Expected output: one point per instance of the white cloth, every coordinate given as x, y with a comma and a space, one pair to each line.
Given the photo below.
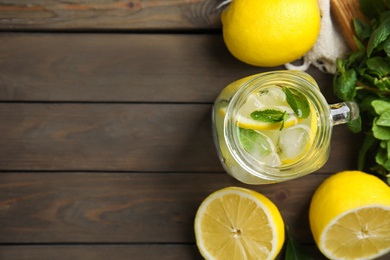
329, 46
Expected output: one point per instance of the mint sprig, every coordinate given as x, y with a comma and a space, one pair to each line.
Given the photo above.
270, 116
364, 76
298, 102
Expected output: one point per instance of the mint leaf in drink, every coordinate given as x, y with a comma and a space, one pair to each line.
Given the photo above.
255, 143
270, 116
298, 102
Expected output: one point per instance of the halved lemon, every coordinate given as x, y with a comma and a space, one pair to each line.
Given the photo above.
238, 223
350, 216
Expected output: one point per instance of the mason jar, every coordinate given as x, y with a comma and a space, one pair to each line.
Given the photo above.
275, 126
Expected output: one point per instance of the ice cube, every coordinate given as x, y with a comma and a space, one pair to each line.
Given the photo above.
294, 141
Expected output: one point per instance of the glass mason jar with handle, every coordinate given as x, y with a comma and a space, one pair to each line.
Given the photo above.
275, 126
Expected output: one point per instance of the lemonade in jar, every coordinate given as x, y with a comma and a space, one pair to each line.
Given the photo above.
275, 126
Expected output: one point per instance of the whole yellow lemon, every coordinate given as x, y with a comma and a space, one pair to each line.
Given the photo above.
270, 33
350, 216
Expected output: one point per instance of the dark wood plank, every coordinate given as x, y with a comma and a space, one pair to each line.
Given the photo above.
127, 207
113, 137
124, 137
95, 252
120, 67
108, 14
112, 252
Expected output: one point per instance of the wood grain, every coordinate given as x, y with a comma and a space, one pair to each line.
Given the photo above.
120, 67
123, 137
127, 207
95, 252
113, 252
106, 149
109, 14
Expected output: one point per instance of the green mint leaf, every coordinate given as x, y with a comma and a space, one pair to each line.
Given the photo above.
384, 15
366, 104
294, 250
268, 115
382, 158
380, 132
388, 150
254, 142
355, 126
379, 35
386, 46
285, 117
384, 119
362, 29
368, 143
344, 85
382, 84
383, 144
372, 8
340, 63
298, 102
380, 106
379, 65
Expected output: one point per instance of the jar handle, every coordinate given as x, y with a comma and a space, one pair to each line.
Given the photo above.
344, 112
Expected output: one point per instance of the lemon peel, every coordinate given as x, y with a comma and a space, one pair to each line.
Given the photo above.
350, 216
238, 223
270, 33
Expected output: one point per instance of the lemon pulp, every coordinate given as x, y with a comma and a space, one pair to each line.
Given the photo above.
350, 216
238, 223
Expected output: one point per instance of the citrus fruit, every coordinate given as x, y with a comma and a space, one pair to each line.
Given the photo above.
273, 98
270, 33
269, 129
238, 223
350, 216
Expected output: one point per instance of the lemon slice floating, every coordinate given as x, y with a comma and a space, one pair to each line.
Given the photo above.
350, 216
273, 98
238, 223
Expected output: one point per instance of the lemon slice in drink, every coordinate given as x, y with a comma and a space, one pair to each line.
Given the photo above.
350, 216
244, 120
238, 223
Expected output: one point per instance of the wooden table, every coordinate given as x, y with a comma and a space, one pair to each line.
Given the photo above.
106, 148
